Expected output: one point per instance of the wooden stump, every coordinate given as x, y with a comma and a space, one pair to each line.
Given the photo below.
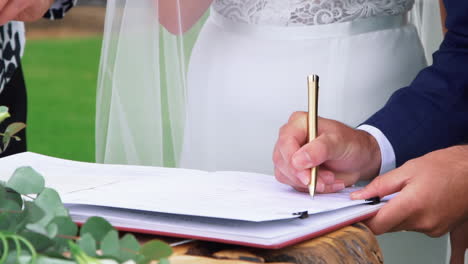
352, 244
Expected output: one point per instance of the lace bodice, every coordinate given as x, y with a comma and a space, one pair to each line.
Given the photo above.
307, 12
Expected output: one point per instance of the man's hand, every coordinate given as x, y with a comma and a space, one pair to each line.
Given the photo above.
433, 194
345, 155
23, 10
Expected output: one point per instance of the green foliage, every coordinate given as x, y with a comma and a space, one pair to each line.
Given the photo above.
154, 250
97, 227
4, 114
11, 129
35, 227
20, 179
10, 132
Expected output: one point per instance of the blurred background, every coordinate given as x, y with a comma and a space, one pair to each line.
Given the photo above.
60, 65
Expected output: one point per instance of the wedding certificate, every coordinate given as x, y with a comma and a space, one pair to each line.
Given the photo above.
236, 207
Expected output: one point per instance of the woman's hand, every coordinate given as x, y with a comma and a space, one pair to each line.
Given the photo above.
23, 10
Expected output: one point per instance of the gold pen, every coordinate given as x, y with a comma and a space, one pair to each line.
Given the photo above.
313, 85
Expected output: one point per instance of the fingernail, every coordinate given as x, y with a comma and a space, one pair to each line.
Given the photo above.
328, 178
320, 187
302, 160
304, 177
356, 195
338, 187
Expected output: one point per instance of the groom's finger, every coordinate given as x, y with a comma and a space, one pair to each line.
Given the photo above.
292, 135
383, 185
392, 214
323, 148
296, 127
284, 175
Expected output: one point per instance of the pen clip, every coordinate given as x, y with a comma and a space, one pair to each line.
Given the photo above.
373, 200
302, 215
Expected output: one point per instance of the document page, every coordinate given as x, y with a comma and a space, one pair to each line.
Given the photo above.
214, 229
67, 176
227, 195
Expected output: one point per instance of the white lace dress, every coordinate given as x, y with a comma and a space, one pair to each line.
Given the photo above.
248, 71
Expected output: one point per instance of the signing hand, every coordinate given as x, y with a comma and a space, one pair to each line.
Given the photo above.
432, 197
344, 154
23, 10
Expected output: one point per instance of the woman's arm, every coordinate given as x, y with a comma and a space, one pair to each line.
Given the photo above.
443, 15
178, 16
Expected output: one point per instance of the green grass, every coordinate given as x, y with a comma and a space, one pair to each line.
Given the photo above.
61, 76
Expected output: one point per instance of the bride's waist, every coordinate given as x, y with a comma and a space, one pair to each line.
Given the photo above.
341, 29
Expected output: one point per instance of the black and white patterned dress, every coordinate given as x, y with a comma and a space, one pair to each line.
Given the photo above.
12, 40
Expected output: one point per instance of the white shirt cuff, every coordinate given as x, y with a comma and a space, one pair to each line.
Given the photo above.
386, 150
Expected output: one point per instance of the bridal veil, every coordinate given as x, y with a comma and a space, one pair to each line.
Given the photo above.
141, 86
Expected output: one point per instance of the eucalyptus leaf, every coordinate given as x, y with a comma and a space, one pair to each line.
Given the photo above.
10, 207
34, 213
45, 224
5, 222
49, 201
31, 214
40, 242
155, 250
2, 193
110, 245
80, 256
10, 214
66, 230
87, 244
97, 227
129, 247
37, 228
25, 180
14, 196
52, 230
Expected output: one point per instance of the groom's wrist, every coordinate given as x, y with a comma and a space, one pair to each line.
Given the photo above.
382, 155
370, 156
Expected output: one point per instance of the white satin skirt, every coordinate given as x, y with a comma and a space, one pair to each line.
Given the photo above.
244, 81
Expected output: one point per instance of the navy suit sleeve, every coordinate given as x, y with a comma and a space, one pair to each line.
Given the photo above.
432, 113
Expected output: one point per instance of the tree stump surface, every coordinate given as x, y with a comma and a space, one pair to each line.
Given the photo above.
351, 244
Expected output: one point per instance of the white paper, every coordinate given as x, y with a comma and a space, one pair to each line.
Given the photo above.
226, 195
262, 234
